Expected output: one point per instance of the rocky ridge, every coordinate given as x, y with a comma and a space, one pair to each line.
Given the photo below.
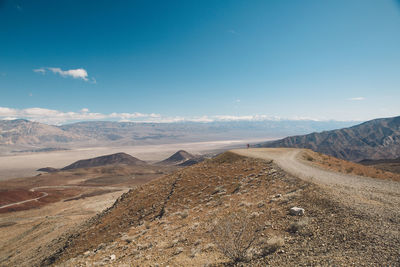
375, 139
171, 221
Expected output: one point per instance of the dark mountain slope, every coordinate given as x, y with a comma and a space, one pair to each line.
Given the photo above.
391, 165
375, 139
179, 157
118, 158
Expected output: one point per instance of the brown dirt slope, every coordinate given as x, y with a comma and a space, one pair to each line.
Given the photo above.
170, 221
343, 166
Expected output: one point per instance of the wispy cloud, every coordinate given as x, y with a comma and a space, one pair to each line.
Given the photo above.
58, 117
40, 70
360, 98
51, 116
233, 32
74, 73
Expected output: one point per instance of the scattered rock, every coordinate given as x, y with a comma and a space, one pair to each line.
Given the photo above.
296, 211
87, 253
178, 250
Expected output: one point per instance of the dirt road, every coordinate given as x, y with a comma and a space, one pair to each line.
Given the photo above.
368, 195
44, 194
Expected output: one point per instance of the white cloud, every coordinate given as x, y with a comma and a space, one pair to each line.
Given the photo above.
51, 116
7, 112
40, 70
360, 98
74, 73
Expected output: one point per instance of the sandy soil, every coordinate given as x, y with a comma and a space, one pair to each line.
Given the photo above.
26, 164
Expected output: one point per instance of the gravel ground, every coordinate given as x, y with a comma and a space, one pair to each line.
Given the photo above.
368, 195
167, 222
370, 207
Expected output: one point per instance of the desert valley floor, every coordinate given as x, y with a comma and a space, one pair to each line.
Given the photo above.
169, 216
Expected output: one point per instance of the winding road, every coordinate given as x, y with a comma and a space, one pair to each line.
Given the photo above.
44, 194
368, 195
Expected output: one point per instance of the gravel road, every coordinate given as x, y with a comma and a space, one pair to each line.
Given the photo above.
368, 195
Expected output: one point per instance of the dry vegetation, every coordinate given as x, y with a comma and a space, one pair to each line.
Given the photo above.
235, 234
335, 164
188, 218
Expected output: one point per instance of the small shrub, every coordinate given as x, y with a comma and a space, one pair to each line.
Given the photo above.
298, 226
275, 243
235, 234
349, 169
309, 158
271, 245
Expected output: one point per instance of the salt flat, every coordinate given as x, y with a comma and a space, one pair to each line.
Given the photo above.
26, 164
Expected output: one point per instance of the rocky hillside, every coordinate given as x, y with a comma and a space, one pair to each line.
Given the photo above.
191, 217
118, 158
23, 132
375, 139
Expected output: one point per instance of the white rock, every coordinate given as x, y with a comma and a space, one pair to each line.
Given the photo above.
296, 211
87, 253
113, 257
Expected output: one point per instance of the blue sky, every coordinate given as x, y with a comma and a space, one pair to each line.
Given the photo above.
199, 60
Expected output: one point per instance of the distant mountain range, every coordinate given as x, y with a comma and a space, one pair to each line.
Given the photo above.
23, 132
27, 136
373, 140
